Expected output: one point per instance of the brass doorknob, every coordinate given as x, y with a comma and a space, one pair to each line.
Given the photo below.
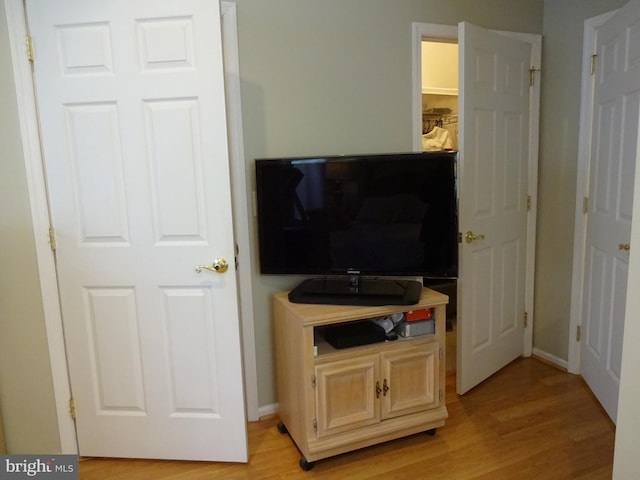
470, 236
219, 265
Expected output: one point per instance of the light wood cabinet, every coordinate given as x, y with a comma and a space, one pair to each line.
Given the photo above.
336, 400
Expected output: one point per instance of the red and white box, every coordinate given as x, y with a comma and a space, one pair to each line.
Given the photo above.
415, 315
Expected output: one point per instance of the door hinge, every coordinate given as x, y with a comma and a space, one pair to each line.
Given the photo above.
578, 333
585, 205
315, 424
72, 408
525, 320
52, 238
593, 63
29, 44
532, 76
528, 203
313, 381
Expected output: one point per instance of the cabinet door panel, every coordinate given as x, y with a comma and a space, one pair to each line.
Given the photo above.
411, 378
345, 394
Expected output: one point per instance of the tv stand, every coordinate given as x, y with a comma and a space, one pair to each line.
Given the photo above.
356, 290
333, 401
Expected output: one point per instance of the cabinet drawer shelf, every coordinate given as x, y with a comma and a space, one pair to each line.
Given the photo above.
326, 352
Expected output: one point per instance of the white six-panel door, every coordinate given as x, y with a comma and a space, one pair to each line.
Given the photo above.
494, 155
614, 144
131, 101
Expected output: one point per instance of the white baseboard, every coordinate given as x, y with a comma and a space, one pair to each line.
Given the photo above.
551, 358
266, 410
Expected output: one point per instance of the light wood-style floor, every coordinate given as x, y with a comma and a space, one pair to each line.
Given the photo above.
529, 421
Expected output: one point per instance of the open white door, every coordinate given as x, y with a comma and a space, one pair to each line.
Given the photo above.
132, 109
614, 152
494, 103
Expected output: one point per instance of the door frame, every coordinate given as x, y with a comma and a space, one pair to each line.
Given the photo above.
591, 26
40, 216
449, 33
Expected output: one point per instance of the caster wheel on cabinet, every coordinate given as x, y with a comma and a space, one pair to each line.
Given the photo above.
304, 465
431, 432
282, 428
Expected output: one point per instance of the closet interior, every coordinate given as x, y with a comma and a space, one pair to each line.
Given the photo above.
439, 95
439, 132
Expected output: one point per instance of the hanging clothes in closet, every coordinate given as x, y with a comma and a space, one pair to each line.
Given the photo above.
437, 139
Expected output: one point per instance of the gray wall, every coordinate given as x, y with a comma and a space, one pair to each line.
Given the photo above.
563, 27
333, 77
26, 387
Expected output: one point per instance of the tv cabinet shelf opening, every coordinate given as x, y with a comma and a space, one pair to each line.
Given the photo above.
332, 401
324, 351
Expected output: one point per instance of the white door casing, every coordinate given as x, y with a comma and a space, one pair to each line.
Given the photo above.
582, 188
603, 245
131, 97
494, 153
237, 166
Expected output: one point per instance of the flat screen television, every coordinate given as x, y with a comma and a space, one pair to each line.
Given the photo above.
358, 224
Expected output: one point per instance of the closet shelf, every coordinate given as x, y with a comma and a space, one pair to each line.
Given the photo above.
439, 91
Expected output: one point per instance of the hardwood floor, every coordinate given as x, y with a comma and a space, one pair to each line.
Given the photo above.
529, 421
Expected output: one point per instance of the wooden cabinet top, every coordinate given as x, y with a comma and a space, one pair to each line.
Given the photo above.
314, 314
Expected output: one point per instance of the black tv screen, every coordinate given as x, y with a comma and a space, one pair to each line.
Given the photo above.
370, 215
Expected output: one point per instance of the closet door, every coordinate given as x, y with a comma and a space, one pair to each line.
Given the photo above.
494, 156
131, 100
614, 152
